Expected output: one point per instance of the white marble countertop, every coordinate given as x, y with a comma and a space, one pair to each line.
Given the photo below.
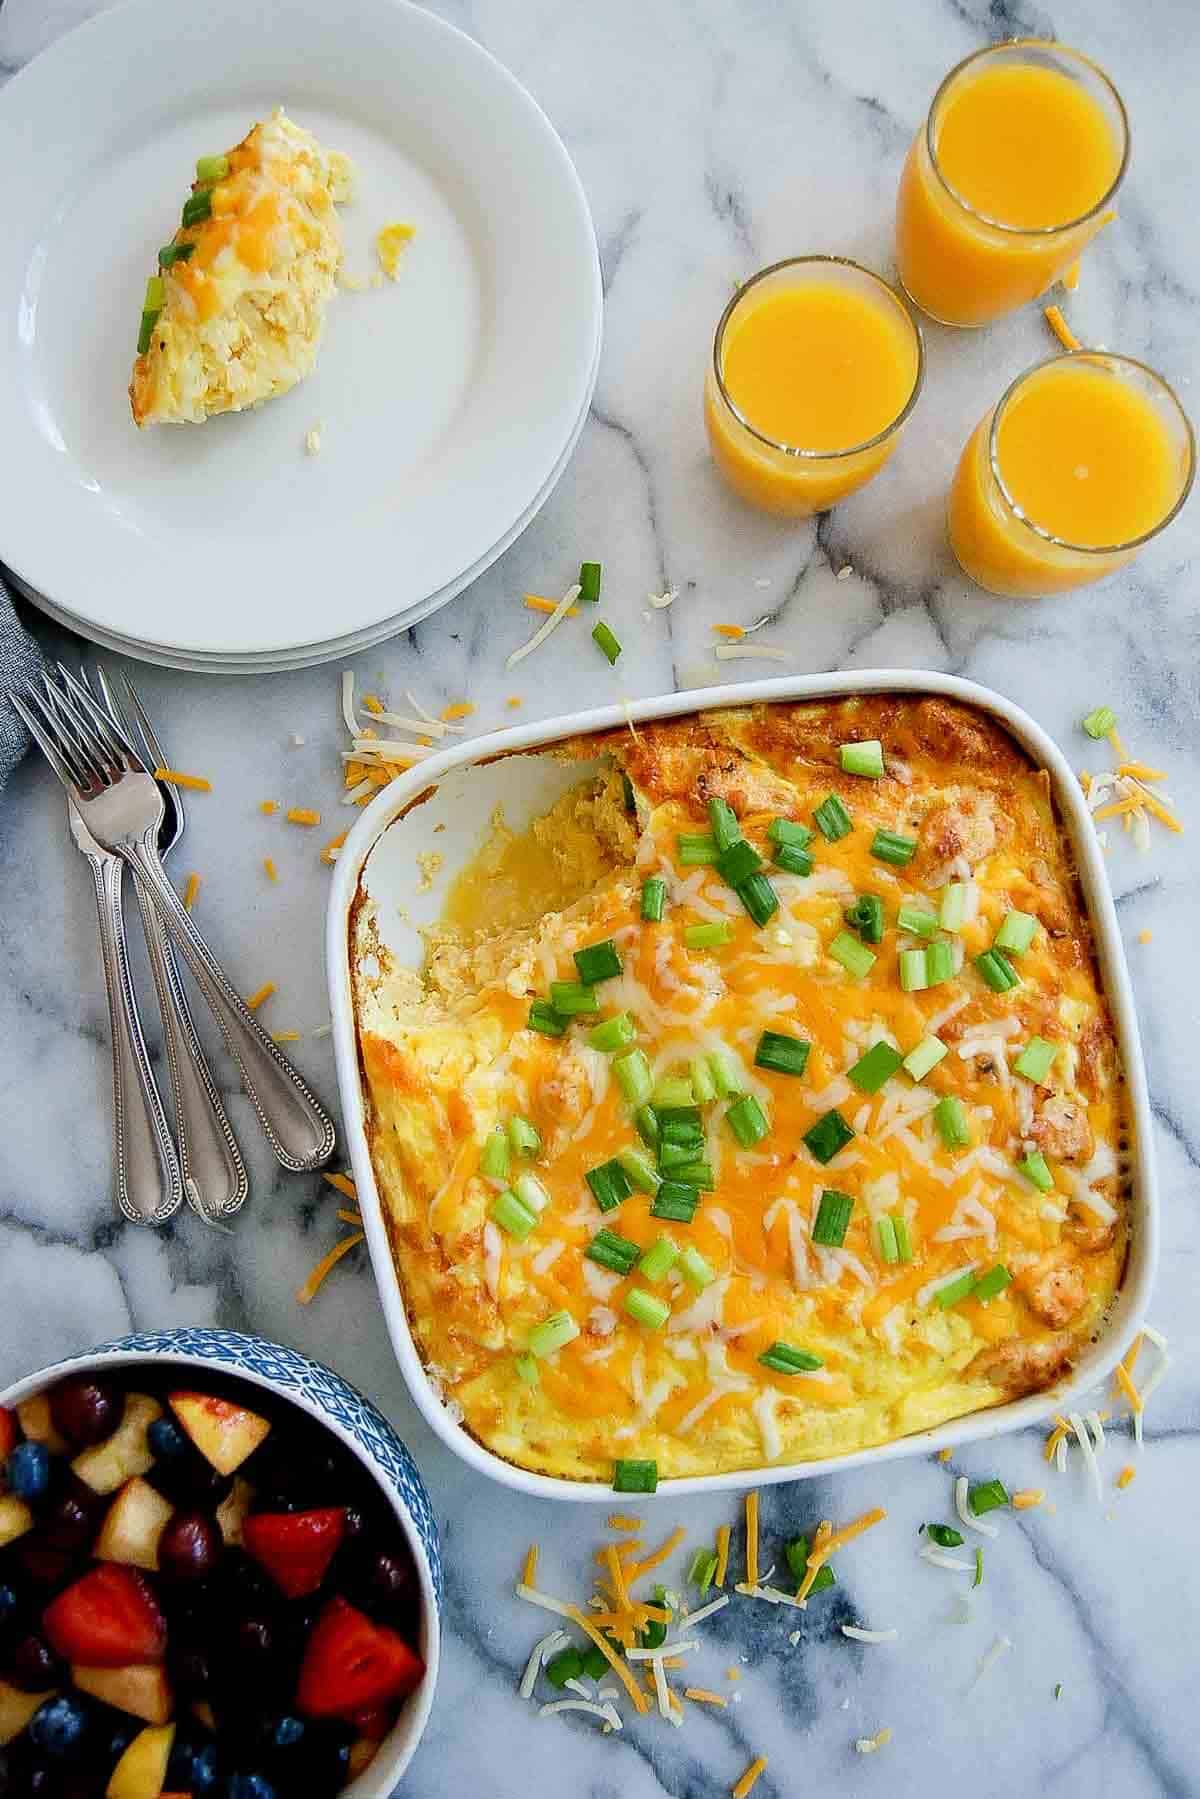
711, 138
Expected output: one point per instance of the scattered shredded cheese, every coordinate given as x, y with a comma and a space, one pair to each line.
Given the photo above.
1145, 936
723, 1536
861, 1635
514, 700
752, 1538
702, 1696
827, 1541
460, 709
622, 1521
190, 891
999, 1647
330, 852
1053, 316
312, 441
1028, 1498
262, 993
552, 623
342, 1183
269, 869
868, 1745
963, 1508
1089, 1454
308, 1292
268, 808
390, 244
285, 1036
197, 783
529, 1571
1127, 1474
539, 1655
302, 815
742, 652
660, 601
659, 1557
749, 1779
535, 602
733, 632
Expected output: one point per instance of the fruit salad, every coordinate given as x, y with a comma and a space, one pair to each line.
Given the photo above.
202, 1594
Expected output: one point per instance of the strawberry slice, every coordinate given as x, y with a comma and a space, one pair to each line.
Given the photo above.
351, 1664
8, 1432
295, 1548
107, 1619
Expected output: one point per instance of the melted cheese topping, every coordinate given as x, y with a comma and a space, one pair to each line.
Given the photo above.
450, 1056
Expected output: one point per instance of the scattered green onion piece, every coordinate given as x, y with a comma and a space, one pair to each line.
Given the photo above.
522, 1137
885, 1229
613, 1034
862, 758
917, 919
878, 1065
543, 1018
725, 1077
627, 794
606, 640
527, 1370
1036, 1060
793, 860
146, 331
635, 1477
212, 168
988, 1496
675, 1156
654, 1634
952, 1123
675, 1202
692, 1174
704, 1566
833, 1218
993, 1282
997, 971
613, 1251
513, 1216
493, 1157
645, 1309
571, 997
953, 1291
680, 1121
552, 1333
170, 254
197, 207
654, 899
759, 898
530, 1191
1017, 931
707, 936
697, 849
639, 1169
723, 823
747, 1120
854, 956
632, 1075
925, 1057
785, 1358
829, 1134
939, 962
1058, 1688
566, 1665
1100, 722
589, 581
673, 1093
610, 1185
890, 846
738, 862
695, 1270
978, 1580
785, 830
156, 294
904, 1251
703, 1087
952, 911
782, 1054
598, 962
914, 970
944, 1535
1036, 1170
797, 1560
659, 1260
866, 917
832, 819
647, 1126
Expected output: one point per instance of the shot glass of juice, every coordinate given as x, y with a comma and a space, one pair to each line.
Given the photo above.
1013, 173
1086, 458
816, 364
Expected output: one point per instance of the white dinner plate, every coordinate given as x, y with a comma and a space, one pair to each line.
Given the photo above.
446, 401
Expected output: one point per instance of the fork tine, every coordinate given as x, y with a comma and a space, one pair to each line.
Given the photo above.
43, 740
153, 746
103, 724
49, 712
86, 747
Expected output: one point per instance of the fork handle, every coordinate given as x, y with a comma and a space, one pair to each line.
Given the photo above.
214, 1175
298, 1130
148, 1177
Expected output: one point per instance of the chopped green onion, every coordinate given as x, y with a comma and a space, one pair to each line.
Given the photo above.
606, 640
632, 1075
212, 168
552, 1333
1036, 1060
832, 819
635, 1477
785, 830
493, 1157
659, 1260
523, 1137
829, 1134
797, 1560
747, 1120
170, 254
890, 846
917, 919
679, 1120
1016, 933
1036, 1170
785, 1358
832, 1219
1058, 1687
704, 1088
674, 1156
873, 1069
513, 1216
530, 1191
673, 1093
759, 898
1100, 722
725, 1078
694, 1269
703, 1567
914, 970
527, 1370
862, 758
570, 997
627, 795
654, 1634
782, 1054
647, 1126
638, 1169
589, 581
944, 1535
697, 849
614, 1033
866, 917
854, 956
692, 1174
738, 862
793, 860
610, 1185
598, 962
993, 1282
953, 910
953, 1291
997, 970
988, 1496
885, 1228
645, 1309
925, 1057
197, 207
951, 1121
707, 936
675, 1202
146, 331
156, 294
939, 962
566, 1665
978, 1580
543, 1018
723, 822
903, 1239
654, 899
613, 1251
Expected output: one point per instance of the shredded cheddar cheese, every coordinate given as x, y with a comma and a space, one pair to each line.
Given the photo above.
702, 1696
1127, 1474
302, 815
660, 1555
1028, 1498
191, 891
749, 1779
308, 1292
752, 1538
616, 1663
621, 1521
285, 1036
944, 1455
827, 1541
259, 995
733, 632
197, 783
268, 808
1125, 1382
534, 602
1140, 772
373, 703
514, 700
269, 869
460, 709
529, 1571
342, 1183
1145, 936
329, 853
354, 1219
723, 1536
1070, 277
1062, 331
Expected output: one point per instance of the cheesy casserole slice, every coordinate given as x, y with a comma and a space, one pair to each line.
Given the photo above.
751, 1109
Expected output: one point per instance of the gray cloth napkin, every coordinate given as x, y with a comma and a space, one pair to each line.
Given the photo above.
20, 661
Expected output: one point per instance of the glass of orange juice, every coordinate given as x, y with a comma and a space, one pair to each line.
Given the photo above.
816, 364
1013, 173
1085, 458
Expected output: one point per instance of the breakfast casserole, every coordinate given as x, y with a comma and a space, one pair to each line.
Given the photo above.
759, 1103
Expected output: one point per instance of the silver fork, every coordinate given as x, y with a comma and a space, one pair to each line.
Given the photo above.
122, 806
214, 1175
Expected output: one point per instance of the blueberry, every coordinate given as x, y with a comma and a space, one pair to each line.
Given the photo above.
121, 1732
27, 1471
250, 1786
193, 1767
58, 1727
10, 1607
166, 1439
287, 1732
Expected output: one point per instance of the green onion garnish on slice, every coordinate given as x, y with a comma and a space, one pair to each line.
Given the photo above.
1036, 1060
598, 962
704, 1087
832, 819
589, 581
939, 962
647, 1126
954, 1290
530, 1191
613, 1251
632, 1075
829, 1134
543, 1018
885, 1230
917, 919
522, 1137
914, 970
759, 898
675, 1202
785, 1358
833, 1218
493, 1157
156, 294
1100, 722
704, 1566
925, 1057
988, 1496
654, 899
747, 1120
723, 822
613, 1033
212, 168
951, 1121
146, 331
639, 1169
1036, 1170
793, 860
170, 254
635, 1477
527, 1370
606, 640
862, 758
725, 1076
645, 1309
658, 1260
610, 1185
707, 936
694, 1269
866, 917
873, 1069
552, 1333
1016, 933
890, 846
197, 207
952, 911
697, 849
738, 862
997, 971
903, 1239
797, 1560
566, 1665
944, 1535
854, 956
785, 830
627, 794
993, 1282
571, 997
978, 1580
513, 1216
781, 1054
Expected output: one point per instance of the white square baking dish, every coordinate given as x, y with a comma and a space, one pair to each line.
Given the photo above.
462, 786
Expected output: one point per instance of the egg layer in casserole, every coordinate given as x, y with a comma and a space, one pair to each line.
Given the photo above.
749, 1110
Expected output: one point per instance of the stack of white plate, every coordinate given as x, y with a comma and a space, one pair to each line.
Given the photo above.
446, 403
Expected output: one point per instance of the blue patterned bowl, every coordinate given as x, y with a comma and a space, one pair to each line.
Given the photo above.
364, 1430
